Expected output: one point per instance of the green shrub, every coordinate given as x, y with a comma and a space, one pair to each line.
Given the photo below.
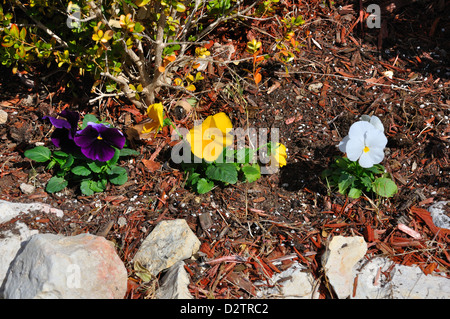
129, 47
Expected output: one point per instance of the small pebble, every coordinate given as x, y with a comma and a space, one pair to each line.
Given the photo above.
27, 188
122, 221
3, 117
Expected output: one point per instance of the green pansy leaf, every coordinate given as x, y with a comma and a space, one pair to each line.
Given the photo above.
88, 118
376, 169
38, 154
342, 162
204, 185
251, 172
327, 173
245, 155
60, 159
117, 175
354, 193
50, 165
56, 184
367, 182
193, 178
69, 161
128, 152
98, 186
345, 181
384, 187
115, 158
60, 154
223, 172
81, 170
96, 166
85, 188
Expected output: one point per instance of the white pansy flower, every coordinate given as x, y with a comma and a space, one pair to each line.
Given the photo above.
375, 121
364, 143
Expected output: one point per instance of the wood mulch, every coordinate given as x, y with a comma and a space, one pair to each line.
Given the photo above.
248, 232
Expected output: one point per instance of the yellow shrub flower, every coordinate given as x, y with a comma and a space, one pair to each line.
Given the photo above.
279, 155
202, 52
208, 139
155, 113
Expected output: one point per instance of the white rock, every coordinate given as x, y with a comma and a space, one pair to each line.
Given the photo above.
315, 87
339, 262
202, 64
293, 283
379, 278
372, 282
57, 267
27, 188
10, 242
169, 242
122, 221
412, 283
439, 214
3, 117
174, 284
9, 210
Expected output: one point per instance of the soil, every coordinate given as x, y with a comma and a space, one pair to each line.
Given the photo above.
291, 212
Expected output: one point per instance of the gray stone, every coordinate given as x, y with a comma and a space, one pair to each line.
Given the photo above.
339, 262
10, 243
9, 210
380, 278
52, 266
11, 240
169, 242
440, 213
293, 283
27, 188
174, 284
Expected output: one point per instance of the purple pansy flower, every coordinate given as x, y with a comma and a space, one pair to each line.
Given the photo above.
65, 130
97, 141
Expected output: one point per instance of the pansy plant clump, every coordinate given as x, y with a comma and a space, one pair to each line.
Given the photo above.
213, 160
360, 171
206, 153
87, 154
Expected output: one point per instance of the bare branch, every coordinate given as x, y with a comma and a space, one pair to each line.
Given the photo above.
103, 95
98, 13
123, 83
165, 44
178, 88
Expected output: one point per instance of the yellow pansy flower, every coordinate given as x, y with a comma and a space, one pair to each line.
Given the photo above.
208, 139
279, 155
155, 113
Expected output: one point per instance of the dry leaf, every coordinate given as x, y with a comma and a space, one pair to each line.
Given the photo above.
258, 78
275, 86
151, 165
185, 105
